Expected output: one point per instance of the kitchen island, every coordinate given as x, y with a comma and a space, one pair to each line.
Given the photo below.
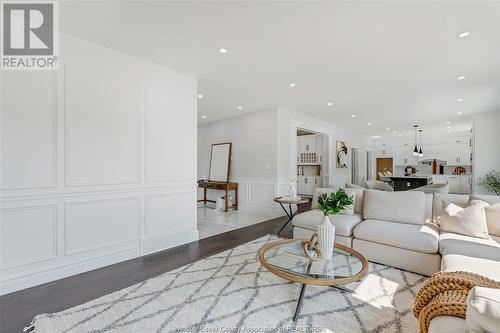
404, 183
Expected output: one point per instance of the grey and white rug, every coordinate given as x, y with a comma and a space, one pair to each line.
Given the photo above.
231, 291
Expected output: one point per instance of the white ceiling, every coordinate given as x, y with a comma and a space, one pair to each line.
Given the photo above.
390, 63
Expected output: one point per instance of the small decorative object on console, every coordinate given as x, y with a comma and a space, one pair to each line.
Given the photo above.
330, 205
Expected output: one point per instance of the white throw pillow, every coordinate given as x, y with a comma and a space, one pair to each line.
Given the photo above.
349, 210
492, 216
469, 221
483, 310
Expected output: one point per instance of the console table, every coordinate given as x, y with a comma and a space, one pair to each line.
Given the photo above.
224, 186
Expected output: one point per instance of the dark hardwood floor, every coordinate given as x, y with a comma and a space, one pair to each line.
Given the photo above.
18, 309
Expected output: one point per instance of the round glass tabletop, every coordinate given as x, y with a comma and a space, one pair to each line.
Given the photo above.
287, 259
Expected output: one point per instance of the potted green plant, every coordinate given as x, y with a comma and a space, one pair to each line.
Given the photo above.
492, 182
330, 204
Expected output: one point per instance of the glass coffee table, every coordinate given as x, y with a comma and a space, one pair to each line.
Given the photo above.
281, 258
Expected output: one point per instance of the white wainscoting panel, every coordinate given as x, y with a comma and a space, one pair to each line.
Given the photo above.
102, 128
95, 224
75, 180
164, 152
28, 235
168, 213
28, 136
262, 194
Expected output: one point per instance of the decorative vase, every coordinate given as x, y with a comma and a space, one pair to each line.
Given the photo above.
326, 233
292, 189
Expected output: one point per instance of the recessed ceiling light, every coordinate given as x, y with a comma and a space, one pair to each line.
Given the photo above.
204, 117
400, 134
329, 103
448, 126
292, 84
387, 128
369, 124
394, 132
447, 123
200, 96
459, 112
353, 116
223, 51
376, 137
464, 34
239, 107
460, 100
461, 77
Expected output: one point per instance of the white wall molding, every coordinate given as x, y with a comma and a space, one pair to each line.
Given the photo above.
76, 197
98, 232
8, 250
113, 82
52, 183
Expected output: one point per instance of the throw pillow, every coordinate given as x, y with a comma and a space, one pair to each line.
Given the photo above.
349, 210
469, 221
483, 310
492, 216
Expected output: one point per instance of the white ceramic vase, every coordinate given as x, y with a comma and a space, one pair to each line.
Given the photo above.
326, 233
292, 189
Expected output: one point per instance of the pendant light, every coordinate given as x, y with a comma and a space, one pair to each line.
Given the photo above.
420, 152
415, 150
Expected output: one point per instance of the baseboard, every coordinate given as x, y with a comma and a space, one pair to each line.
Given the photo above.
168, 240
53, 272
42, 277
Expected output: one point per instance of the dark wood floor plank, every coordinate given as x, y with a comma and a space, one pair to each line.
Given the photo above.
18, 309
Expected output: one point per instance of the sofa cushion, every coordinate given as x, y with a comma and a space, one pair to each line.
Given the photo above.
470, 221
403, 207
358, 197
451, 243
491, 199
441, 324
460, 262
483, 310
421, 238
344, 224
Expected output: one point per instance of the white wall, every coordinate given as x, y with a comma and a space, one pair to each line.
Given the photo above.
98, 164
254, 149
486, 150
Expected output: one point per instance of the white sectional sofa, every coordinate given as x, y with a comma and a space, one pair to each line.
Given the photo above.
401, 229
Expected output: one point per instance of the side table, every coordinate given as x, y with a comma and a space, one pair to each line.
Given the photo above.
287, 201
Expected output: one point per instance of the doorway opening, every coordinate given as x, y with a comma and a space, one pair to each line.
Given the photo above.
311, 161
384, 164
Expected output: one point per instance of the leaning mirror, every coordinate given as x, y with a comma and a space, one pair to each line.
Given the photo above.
220, 161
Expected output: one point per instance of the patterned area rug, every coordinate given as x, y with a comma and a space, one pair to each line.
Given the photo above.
231, 291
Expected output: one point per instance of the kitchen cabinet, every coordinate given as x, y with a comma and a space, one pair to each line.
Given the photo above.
307, 144
459, 154
459, 184
454, 184
403, 156
384, 151
310, 149
440, 179
465, 184
307, 184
